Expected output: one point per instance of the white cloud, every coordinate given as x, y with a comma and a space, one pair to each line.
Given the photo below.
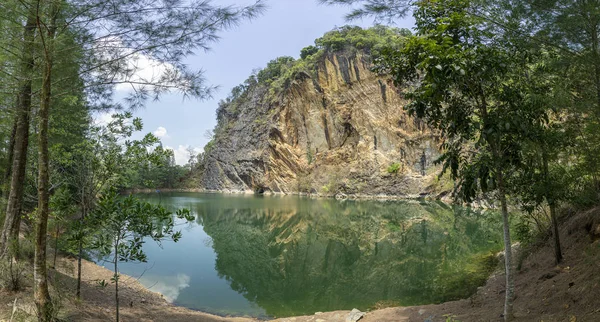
145, 70
168, 286
103, 118
182, 156
134, 69
161, 132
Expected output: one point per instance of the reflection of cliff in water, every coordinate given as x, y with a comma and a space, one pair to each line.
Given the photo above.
330, 255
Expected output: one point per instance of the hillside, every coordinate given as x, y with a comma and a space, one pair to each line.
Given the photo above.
326, 123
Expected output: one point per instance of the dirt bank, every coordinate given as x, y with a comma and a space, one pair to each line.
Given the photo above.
545, 292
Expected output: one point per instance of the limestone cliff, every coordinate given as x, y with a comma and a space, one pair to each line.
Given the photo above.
337, 129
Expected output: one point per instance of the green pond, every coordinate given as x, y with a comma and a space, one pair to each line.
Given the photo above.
272, 256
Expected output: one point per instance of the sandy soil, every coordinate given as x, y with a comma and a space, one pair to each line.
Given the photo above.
545, 292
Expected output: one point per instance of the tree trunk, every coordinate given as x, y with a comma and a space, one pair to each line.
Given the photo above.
508, 267
80, 243
18, 161
55, 245
557, 249
117, 281
11, 147
552, 204
596, 62
79, 255
40, 274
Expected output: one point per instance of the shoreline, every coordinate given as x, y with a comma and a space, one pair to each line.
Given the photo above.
338, 196
444, 197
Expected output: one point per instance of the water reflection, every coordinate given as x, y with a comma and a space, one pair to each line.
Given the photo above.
168, 286
292, 256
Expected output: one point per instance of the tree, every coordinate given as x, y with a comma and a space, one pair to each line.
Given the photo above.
382, 10
308, 51
20, 137
574, 29
126, 223
113, 36
40, 275
98, 163
474, 90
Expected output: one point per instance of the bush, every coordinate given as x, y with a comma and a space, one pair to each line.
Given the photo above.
12, 275
308, 51
304, 183
275, 68
365, 39
523, 231
394, 168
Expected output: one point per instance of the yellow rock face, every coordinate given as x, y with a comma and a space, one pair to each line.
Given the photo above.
336, 132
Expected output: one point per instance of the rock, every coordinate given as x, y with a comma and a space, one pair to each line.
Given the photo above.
421, 311
341, 196
300, 139
355, 315
143, 300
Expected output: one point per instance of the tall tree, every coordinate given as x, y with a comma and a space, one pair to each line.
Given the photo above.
574, 26
127, 222
20, 137
114, 38
47, 31
472, 87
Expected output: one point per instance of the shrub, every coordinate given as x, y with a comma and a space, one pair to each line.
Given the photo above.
12, 275
394, 168
308, 51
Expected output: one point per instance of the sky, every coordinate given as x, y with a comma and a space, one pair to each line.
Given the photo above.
284, 29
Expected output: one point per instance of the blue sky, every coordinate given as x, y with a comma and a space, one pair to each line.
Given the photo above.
284, 29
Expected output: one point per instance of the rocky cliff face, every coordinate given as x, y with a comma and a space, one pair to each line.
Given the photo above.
335, 130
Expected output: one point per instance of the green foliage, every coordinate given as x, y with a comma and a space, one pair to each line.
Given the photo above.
308, 51
394, 168
102, 284
442, 183
383, 10
12, 273
453, 64
209, 146
127, 221
126, 224
371, 39
275, 68
451, 318
523, 231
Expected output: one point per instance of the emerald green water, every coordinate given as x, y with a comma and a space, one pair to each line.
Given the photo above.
284, 256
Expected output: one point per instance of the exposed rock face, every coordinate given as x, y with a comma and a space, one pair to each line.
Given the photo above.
337, 131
